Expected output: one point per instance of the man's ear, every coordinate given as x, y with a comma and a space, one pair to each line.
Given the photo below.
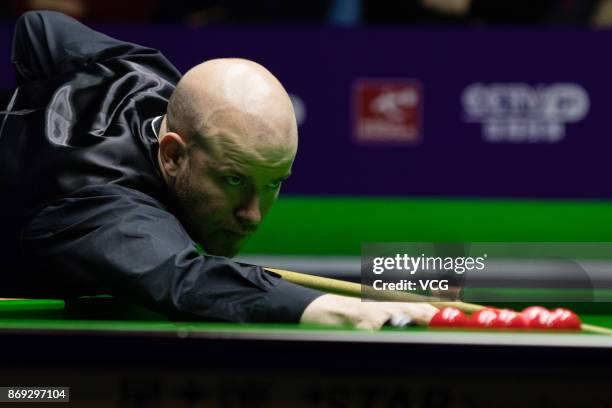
172, 154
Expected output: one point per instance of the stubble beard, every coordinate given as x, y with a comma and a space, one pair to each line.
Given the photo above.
190, 218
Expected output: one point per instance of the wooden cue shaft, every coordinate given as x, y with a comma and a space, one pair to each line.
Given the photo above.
355, 289
340, 287
590, 328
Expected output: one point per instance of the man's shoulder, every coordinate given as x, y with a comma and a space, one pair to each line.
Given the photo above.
63, 45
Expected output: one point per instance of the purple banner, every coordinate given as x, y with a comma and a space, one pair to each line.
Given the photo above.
425, 112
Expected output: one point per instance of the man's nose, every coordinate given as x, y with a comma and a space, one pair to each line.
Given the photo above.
250, 212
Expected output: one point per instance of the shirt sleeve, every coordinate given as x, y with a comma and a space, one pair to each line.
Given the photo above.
111, 239
48, 44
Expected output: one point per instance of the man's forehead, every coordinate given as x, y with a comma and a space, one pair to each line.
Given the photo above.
245, 128
227, 148
248, 163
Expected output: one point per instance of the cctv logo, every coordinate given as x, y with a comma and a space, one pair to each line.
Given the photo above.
522, 113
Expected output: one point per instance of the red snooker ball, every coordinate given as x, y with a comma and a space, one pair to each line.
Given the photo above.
536, 317
532, 311
564, 319
511, 319
487, 318
448, 317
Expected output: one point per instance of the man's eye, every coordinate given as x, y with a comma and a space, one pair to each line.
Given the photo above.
274, 184
234, 181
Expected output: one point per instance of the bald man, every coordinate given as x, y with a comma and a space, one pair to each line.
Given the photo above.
116, 166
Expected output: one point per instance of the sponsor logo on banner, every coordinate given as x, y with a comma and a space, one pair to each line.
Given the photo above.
388, 111
524, 113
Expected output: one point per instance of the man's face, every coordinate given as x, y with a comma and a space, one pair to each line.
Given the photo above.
225, 194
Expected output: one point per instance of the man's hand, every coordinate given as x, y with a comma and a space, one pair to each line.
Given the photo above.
370, 315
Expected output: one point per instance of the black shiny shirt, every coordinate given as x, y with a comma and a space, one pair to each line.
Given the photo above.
85, 209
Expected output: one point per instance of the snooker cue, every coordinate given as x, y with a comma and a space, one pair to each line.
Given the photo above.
340, 287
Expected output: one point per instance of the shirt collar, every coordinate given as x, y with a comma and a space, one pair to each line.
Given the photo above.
156, 125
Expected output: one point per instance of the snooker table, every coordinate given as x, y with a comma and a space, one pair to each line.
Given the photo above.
115, 354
